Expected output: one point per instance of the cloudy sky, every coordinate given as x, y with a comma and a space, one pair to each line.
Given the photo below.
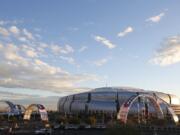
54, 48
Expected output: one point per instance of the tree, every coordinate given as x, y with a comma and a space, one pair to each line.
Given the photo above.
74, 120
91, 120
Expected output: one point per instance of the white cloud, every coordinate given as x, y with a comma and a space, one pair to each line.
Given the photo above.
28, 34
22, 63
12, 96
125, 31
169, 53
12, 22
22, 39
1, 46
43, 45
22, 35
38, 36
29, 51
101, 62
83, 48
156, 19
27, 71
4, 31
10, 52
14, 30
57, 49
105, 42
70, 60
68, 49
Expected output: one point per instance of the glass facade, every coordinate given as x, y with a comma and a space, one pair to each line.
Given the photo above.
67, 104
175, 100
104, 96
78, 106
81, 97
164, 97
105, 106
109, 100
123, 96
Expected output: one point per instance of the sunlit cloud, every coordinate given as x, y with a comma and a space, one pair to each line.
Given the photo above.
29, 51
23, 35
28, 62
101, 62
28, 34
57, 49
4, 32
156, 18
14, 30
125, 31
169, 53
12, 96
105, 42
23, 39
21, 67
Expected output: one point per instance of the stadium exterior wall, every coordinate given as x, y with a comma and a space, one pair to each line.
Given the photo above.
109, 100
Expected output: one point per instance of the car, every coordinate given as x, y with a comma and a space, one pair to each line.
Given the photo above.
43, 131
100, 126
88, 126
71, 126
57, 126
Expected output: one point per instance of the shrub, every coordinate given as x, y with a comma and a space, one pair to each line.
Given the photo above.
121, 129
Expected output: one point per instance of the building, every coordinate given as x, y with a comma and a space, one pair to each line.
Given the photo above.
123, 104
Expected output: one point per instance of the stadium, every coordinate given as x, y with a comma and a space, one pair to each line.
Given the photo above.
123, 104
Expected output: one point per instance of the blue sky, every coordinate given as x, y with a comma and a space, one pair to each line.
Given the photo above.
67, 46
